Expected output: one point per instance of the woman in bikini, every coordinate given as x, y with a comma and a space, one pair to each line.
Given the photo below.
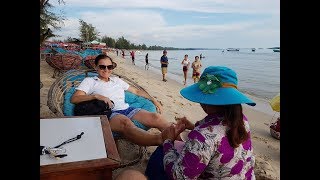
185, 63
196, 66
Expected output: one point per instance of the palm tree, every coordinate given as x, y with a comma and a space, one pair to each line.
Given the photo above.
48, 19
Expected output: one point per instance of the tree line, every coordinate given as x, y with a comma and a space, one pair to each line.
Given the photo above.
89, 33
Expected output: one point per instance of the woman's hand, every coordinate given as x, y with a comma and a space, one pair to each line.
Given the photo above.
172, 132
105, 99
188, 125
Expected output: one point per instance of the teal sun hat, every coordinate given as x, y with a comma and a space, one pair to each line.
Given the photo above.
217, 86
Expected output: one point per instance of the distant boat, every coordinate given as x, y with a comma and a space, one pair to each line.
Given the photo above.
253, 49
276, 50
233, 49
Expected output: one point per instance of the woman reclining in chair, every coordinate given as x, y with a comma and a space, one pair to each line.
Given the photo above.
106, 88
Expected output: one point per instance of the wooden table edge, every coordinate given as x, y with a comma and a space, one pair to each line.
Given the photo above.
112, 160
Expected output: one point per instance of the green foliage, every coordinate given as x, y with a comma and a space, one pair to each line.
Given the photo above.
48, 20
87, 31
109, 41
122, 43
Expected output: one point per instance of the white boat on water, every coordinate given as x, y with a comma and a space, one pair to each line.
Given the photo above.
233, 49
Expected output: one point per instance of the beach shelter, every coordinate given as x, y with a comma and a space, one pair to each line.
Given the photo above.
95, 42
275, 103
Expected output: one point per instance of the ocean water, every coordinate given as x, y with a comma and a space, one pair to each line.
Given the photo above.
258, 72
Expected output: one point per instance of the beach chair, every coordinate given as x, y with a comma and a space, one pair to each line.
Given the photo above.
89, 55
89, 61
62, 89
63, 61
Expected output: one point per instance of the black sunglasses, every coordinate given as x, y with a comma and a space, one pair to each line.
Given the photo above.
103, 67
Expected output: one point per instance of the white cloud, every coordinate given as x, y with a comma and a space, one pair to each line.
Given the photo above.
147, 25
207, 6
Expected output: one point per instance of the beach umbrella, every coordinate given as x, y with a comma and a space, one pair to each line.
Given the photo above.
275, 103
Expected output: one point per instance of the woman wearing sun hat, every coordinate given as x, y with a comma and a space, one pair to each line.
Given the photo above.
219, 145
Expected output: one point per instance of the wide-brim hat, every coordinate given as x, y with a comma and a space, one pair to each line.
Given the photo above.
217, 86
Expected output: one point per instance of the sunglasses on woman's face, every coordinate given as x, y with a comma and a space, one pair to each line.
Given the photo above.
103, 67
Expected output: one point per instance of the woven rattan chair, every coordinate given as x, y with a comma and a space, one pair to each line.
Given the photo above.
62, 62
64, 86
89, 61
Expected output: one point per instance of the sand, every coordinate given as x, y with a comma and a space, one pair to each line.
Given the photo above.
266, 148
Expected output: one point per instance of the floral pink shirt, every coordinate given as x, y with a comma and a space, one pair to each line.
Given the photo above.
208, 155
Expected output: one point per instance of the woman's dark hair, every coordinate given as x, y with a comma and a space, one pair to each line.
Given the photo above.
233, 118
103, 56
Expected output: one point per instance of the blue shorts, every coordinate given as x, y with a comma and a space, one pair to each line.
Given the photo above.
129, 112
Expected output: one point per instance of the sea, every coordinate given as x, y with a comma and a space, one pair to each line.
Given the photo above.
258, 71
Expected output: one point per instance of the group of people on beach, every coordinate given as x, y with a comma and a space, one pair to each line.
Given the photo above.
196, 67
218, 146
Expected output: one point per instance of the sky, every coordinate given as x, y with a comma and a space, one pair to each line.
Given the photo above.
177, 23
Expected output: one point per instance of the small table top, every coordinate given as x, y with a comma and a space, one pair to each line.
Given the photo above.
96, 148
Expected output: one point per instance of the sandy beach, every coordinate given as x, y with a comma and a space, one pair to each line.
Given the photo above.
266, 148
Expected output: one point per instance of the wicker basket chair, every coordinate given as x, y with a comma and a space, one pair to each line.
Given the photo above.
64, 87
89, 61
62, 62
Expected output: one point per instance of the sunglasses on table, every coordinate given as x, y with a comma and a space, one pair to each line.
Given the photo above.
103, 67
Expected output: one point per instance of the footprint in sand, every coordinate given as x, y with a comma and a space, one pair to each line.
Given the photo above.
273, 148
170, 96
260, 138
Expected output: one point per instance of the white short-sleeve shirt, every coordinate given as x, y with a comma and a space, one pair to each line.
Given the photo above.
113, 89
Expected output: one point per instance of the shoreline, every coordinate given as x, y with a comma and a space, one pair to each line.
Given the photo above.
175, 72
262, 104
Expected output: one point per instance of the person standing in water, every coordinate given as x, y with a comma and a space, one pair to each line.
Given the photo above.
185, 63
132, 57
146, 67
196, 66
